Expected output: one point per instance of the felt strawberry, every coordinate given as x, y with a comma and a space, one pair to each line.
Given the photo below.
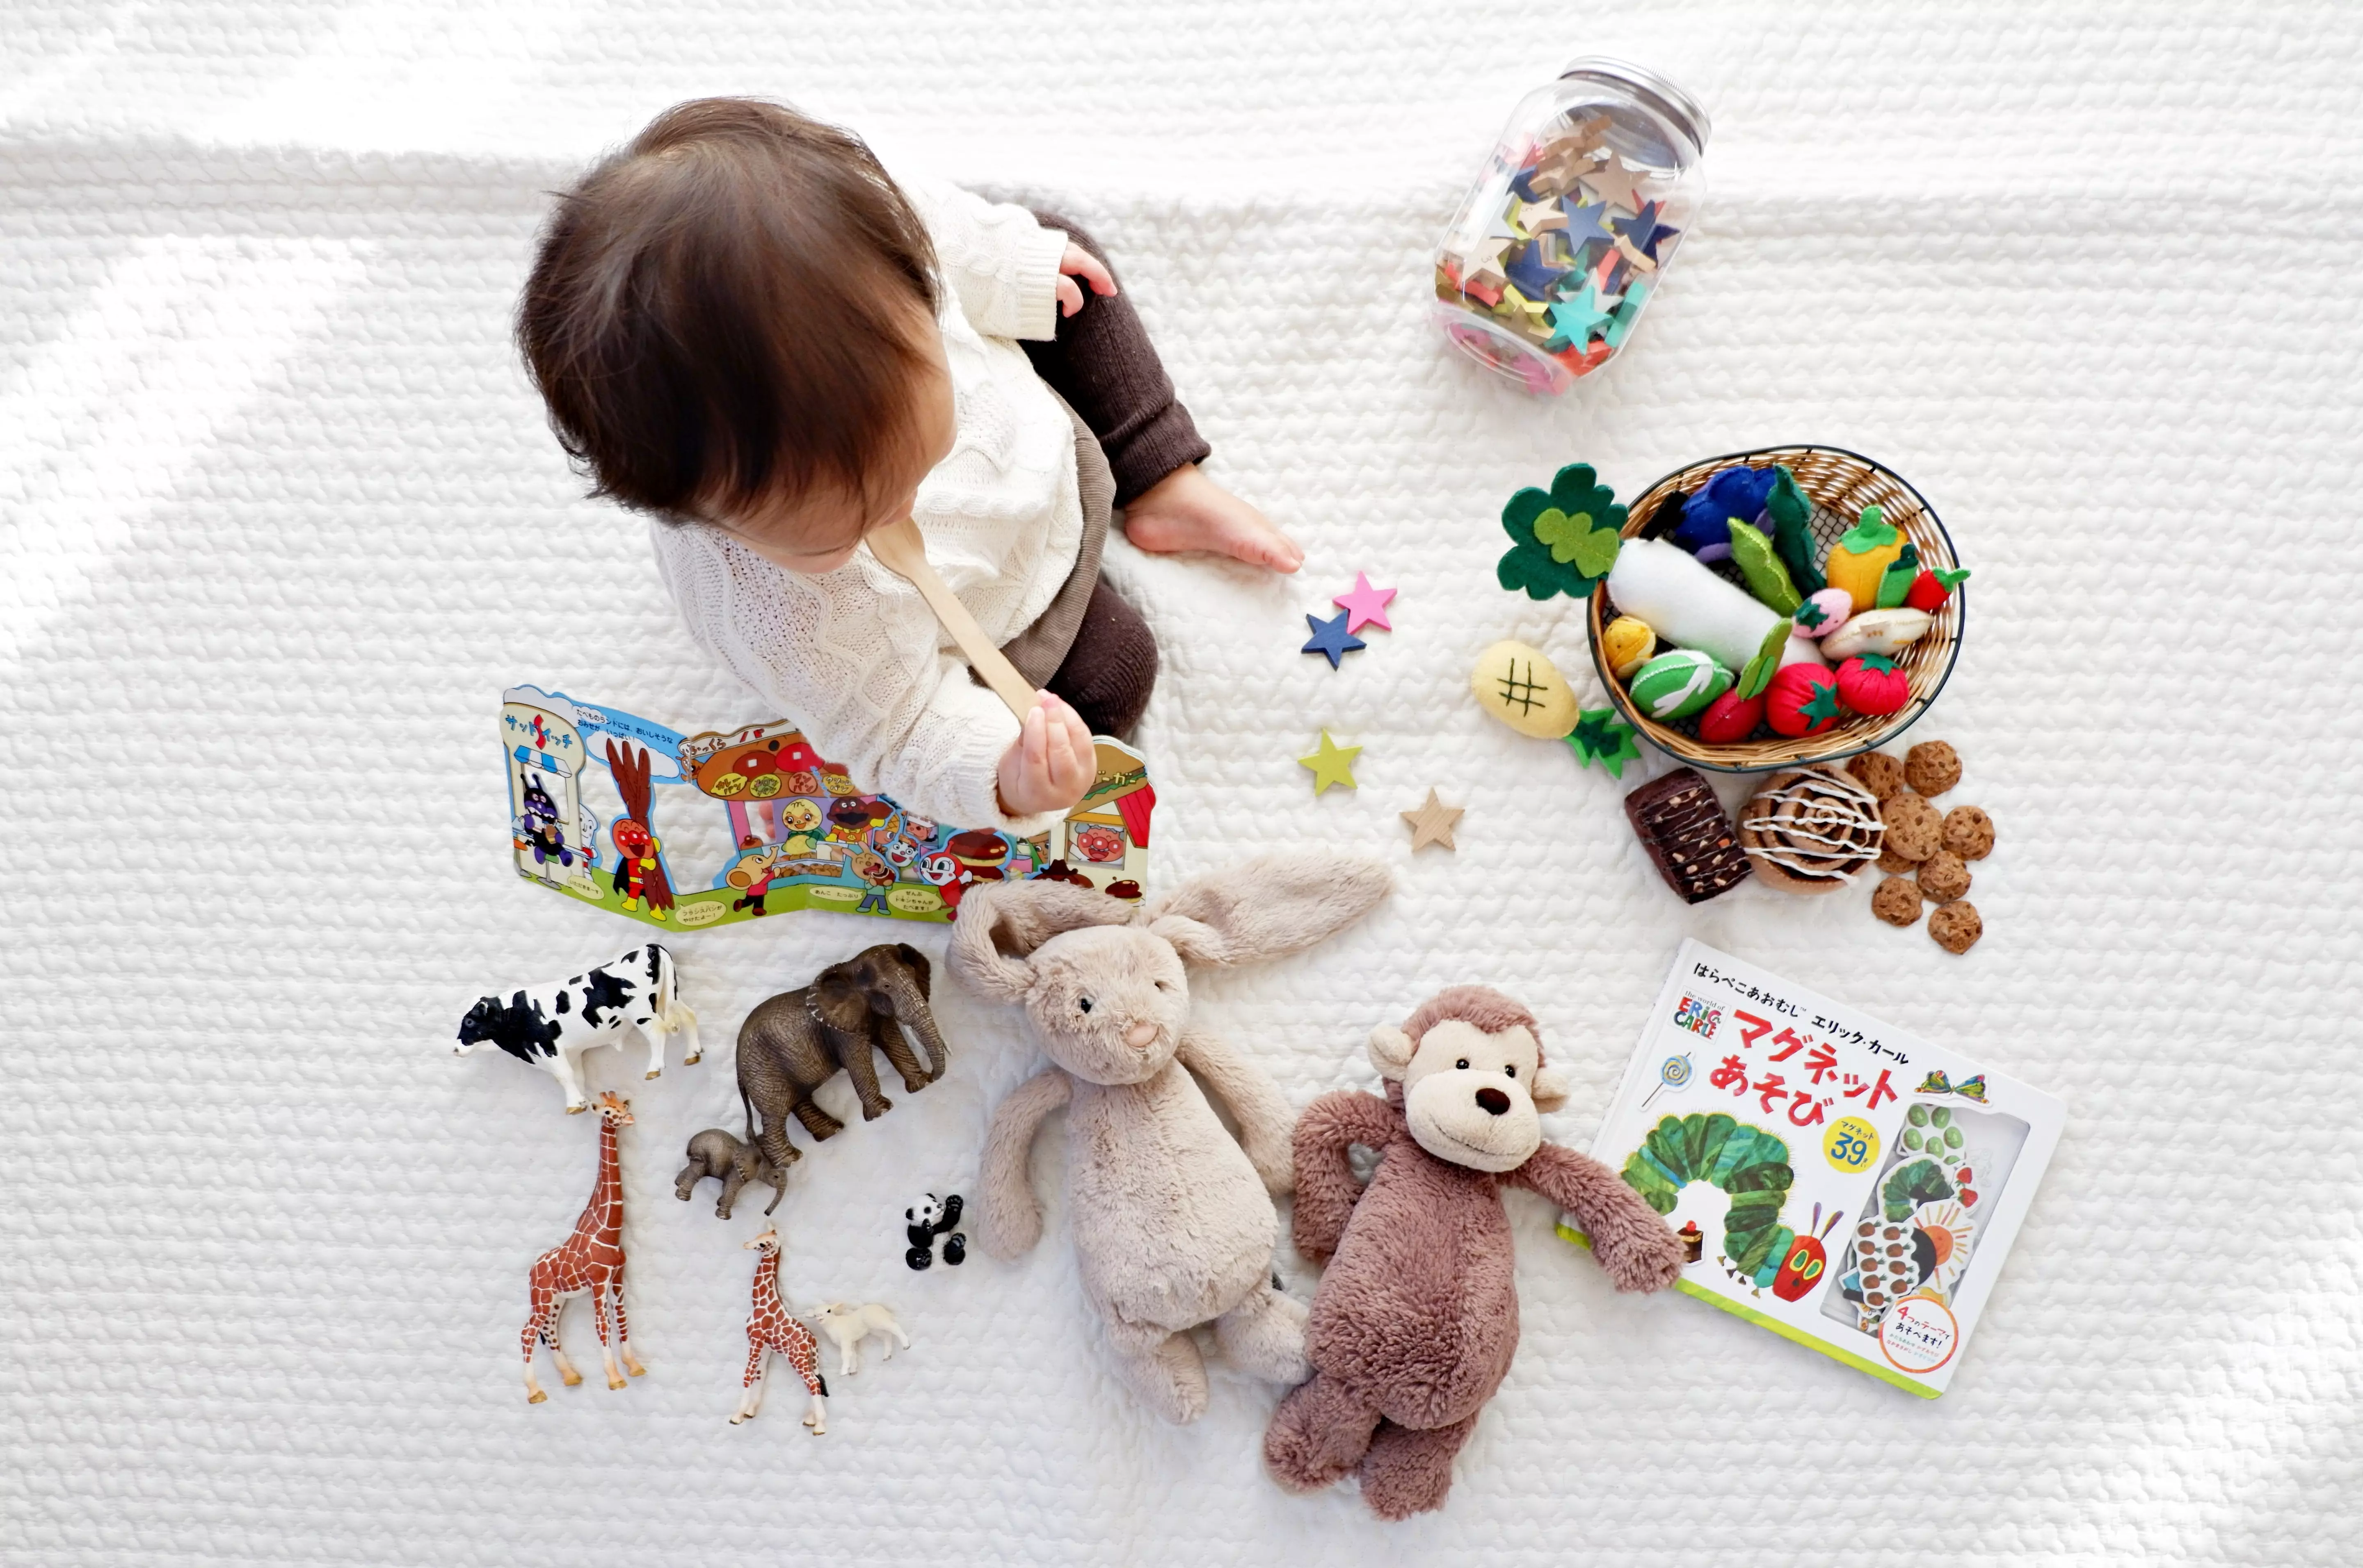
1870, 683
1801, 700
1730, 717
1932, 588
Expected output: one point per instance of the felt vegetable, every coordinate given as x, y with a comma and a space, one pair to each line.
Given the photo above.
1519, 686
1564, 538
1801, 700
1735, 493
1626, 644
1933, 586
1601, 736
1687, 605
1823, 612
1770, 656
1861, 557
1730, 717
1896, 581
1677, 684
1877, 631
1791, 514
1870, 683
1768, 578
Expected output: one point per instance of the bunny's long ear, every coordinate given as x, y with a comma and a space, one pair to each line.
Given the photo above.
1001, 924
1266, 907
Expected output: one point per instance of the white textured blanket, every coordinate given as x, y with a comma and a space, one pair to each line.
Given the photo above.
279, 520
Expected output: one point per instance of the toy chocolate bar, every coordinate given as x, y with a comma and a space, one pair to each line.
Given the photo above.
1680, 823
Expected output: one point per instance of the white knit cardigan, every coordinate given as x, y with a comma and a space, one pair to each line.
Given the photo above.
853, 657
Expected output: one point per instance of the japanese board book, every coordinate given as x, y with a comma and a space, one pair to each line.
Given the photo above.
1845, 1185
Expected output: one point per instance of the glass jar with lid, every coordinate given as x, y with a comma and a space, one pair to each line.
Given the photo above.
1572, 223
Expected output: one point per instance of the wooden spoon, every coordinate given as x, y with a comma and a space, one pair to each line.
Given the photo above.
901, 550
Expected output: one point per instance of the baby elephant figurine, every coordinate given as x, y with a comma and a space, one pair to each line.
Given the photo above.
715, 1153
1173, 1218
794, 1042
848, 1324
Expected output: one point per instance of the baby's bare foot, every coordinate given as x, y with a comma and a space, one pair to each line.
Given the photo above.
1186, 510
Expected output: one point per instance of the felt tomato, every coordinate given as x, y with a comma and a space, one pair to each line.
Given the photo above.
1730, 717
1870, 683
1932, 588
1801, 700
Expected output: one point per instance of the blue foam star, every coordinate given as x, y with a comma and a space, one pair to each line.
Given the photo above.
1586, 222
1330, 639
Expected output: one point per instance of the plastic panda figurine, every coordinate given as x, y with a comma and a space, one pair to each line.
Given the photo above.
924, 1222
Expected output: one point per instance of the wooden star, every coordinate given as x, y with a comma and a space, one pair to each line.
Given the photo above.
1613, 180
1431, 823
1332, 764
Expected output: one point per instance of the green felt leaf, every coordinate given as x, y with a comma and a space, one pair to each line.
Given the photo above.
1810, 615
1563, 540
1791, 513
1949, 578
1873, 532
1601, 736
1768, 578
1876, 661
1760, 669
1895, 583
1822, 705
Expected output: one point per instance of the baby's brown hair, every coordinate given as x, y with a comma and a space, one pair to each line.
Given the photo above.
722, 313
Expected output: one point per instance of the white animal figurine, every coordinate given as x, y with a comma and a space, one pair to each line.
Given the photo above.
848, 1324
550, 1025
1173, 1218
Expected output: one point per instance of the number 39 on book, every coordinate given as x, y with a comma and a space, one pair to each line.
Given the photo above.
1851, 1144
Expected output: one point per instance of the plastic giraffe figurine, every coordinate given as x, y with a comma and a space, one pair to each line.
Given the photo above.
771, 1326
592, 1260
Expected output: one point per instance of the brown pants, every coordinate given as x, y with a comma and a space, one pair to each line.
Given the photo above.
1102, 363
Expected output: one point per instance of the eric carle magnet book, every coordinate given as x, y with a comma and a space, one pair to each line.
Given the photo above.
1833, 1179
684, 831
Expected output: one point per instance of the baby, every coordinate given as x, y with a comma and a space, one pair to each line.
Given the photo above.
744, 328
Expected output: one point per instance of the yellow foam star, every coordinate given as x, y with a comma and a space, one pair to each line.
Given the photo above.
1431, 823
1333, 764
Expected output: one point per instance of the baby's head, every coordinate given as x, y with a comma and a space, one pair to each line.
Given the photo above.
734, 319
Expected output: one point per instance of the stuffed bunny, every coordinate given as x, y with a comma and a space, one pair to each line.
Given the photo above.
1174, 1221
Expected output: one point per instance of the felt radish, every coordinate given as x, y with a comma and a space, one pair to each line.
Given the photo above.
1730, 717
1824, 612
1870, 683
1687, 605
1877, 631
1801, 700
1932, 588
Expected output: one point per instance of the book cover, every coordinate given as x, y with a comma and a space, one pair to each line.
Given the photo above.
1834, 1179
616, 810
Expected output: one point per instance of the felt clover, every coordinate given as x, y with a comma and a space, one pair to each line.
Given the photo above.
1601, 736
1564, 538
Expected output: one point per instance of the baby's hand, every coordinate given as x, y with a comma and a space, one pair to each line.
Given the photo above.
1052, 763
1079, 262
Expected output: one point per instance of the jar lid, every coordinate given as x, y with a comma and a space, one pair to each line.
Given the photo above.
1679, 108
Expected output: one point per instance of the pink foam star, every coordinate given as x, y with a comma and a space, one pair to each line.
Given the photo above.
1365, 605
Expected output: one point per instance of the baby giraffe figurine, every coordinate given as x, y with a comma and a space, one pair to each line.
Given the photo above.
771, 1326
1416, 1317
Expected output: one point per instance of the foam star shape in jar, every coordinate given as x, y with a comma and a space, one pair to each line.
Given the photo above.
1573, 317
1576, 510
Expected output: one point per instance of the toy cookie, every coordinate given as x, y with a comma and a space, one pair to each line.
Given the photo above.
1943, 877
1680, 823
1968, 832
1897, 902
1811, 831
1956, 927
1877, 772
1913, 828
1932, 767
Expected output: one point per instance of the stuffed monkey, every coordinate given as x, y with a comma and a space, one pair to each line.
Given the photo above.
1416, 1317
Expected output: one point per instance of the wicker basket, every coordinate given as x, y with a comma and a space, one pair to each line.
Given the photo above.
1840, 484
